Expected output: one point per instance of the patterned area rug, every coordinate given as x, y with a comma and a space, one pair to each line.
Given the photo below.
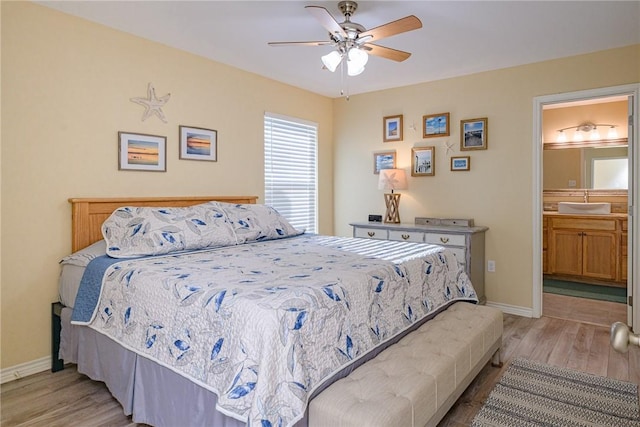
534, 394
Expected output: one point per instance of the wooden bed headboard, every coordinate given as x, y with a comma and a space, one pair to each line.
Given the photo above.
87, 215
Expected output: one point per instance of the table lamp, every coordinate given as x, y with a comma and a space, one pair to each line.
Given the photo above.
392, 179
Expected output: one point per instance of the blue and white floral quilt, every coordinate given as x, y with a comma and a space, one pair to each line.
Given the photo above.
262, 324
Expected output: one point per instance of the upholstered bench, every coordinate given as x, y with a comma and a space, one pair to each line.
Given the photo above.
415, 382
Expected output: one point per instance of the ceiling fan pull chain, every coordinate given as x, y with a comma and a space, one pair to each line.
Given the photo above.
342, 78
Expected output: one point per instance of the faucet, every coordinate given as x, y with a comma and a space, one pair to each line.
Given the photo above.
586, 196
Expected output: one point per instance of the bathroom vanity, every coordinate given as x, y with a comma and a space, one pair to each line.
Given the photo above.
586, 248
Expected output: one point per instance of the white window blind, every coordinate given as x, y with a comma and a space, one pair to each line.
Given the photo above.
290, 169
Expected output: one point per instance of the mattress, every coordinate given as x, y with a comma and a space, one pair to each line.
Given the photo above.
72, 268
350, 340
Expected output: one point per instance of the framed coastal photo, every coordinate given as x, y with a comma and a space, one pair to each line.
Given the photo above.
386, 160
473, 134
423, 161
141, 152
462, 163
435, 125
392, 128
198, 144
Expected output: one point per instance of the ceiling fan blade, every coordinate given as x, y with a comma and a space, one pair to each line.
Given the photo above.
408, 23
327, 21
319, 43
386, 52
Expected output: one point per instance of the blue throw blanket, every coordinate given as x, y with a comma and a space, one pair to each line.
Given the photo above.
90, 288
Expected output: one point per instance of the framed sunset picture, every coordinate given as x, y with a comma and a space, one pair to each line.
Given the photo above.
198, 144
137, 151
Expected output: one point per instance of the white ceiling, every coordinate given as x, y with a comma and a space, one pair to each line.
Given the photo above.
457, 38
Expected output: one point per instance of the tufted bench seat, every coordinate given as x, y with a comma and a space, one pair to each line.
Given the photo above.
416, 381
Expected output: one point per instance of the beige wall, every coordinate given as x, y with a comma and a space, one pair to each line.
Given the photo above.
66, 85
613, 113
497, 192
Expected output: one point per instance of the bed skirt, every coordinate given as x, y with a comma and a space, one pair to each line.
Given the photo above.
153, 394
146, 390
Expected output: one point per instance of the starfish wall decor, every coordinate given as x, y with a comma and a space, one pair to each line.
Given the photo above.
449, 147
152, 104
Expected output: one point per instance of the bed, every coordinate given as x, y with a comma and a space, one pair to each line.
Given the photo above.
188, 364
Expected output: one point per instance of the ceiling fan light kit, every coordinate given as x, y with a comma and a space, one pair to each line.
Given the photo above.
331, 60
352, 42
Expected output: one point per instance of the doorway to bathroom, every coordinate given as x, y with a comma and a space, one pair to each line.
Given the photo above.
585, 254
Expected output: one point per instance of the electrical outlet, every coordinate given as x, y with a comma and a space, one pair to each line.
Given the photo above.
491, 265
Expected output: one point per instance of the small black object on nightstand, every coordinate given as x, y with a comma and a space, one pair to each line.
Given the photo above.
375, 218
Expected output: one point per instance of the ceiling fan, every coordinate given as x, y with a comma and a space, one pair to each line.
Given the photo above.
353, 41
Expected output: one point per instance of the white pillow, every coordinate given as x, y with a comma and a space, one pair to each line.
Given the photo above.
257, 222
140, 231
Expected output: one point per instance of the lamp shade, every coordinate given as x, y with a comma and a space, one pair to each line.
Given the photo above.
562, 137
356, 60
392, 179
331, 60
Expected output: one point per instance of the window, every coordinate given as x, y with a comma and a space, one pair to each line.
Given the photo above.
290, 169
610, 173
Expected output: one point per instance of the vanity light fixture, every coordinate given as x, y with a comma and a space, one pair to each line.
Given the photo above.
392, 179
587, 127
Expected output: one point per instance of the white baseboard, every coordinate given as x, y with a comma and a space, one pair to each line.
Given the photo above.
512, 309
25, 369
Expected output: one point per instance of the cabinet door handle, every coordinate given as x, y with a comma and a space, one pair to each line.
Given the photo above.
444, 240
405, 236
371, 233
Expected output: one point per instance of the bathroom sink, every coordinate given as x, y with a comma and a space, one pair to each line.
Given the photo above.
584, 208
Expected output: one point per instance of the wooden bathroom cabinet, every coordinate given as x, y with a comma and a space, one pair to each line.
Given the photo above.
587, 248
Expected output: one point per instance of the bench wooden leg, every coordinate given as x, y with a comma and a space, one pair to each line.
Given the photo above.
496, 360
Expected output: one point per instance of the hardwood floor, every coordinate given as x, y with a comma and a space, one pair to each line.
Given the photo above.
67, 398
602, 313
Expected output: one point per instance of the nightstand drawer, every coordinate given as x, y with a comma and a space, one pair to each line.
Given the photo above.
445, 239
406, 236
370, 233
460, 254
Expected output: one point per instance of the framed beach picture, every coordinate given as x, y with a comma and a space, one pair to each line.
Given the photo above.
462, 163
423, 161
386, 160
435, 125
137, 151
392, 128
198, 144
473, 134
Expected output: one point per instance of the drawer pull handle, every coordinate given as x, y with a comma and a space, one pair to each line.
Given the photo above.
371, 233
444, 240
405, 236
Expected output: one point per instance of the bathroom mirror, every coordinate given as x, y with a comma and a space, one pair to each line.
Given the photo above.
601, 168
